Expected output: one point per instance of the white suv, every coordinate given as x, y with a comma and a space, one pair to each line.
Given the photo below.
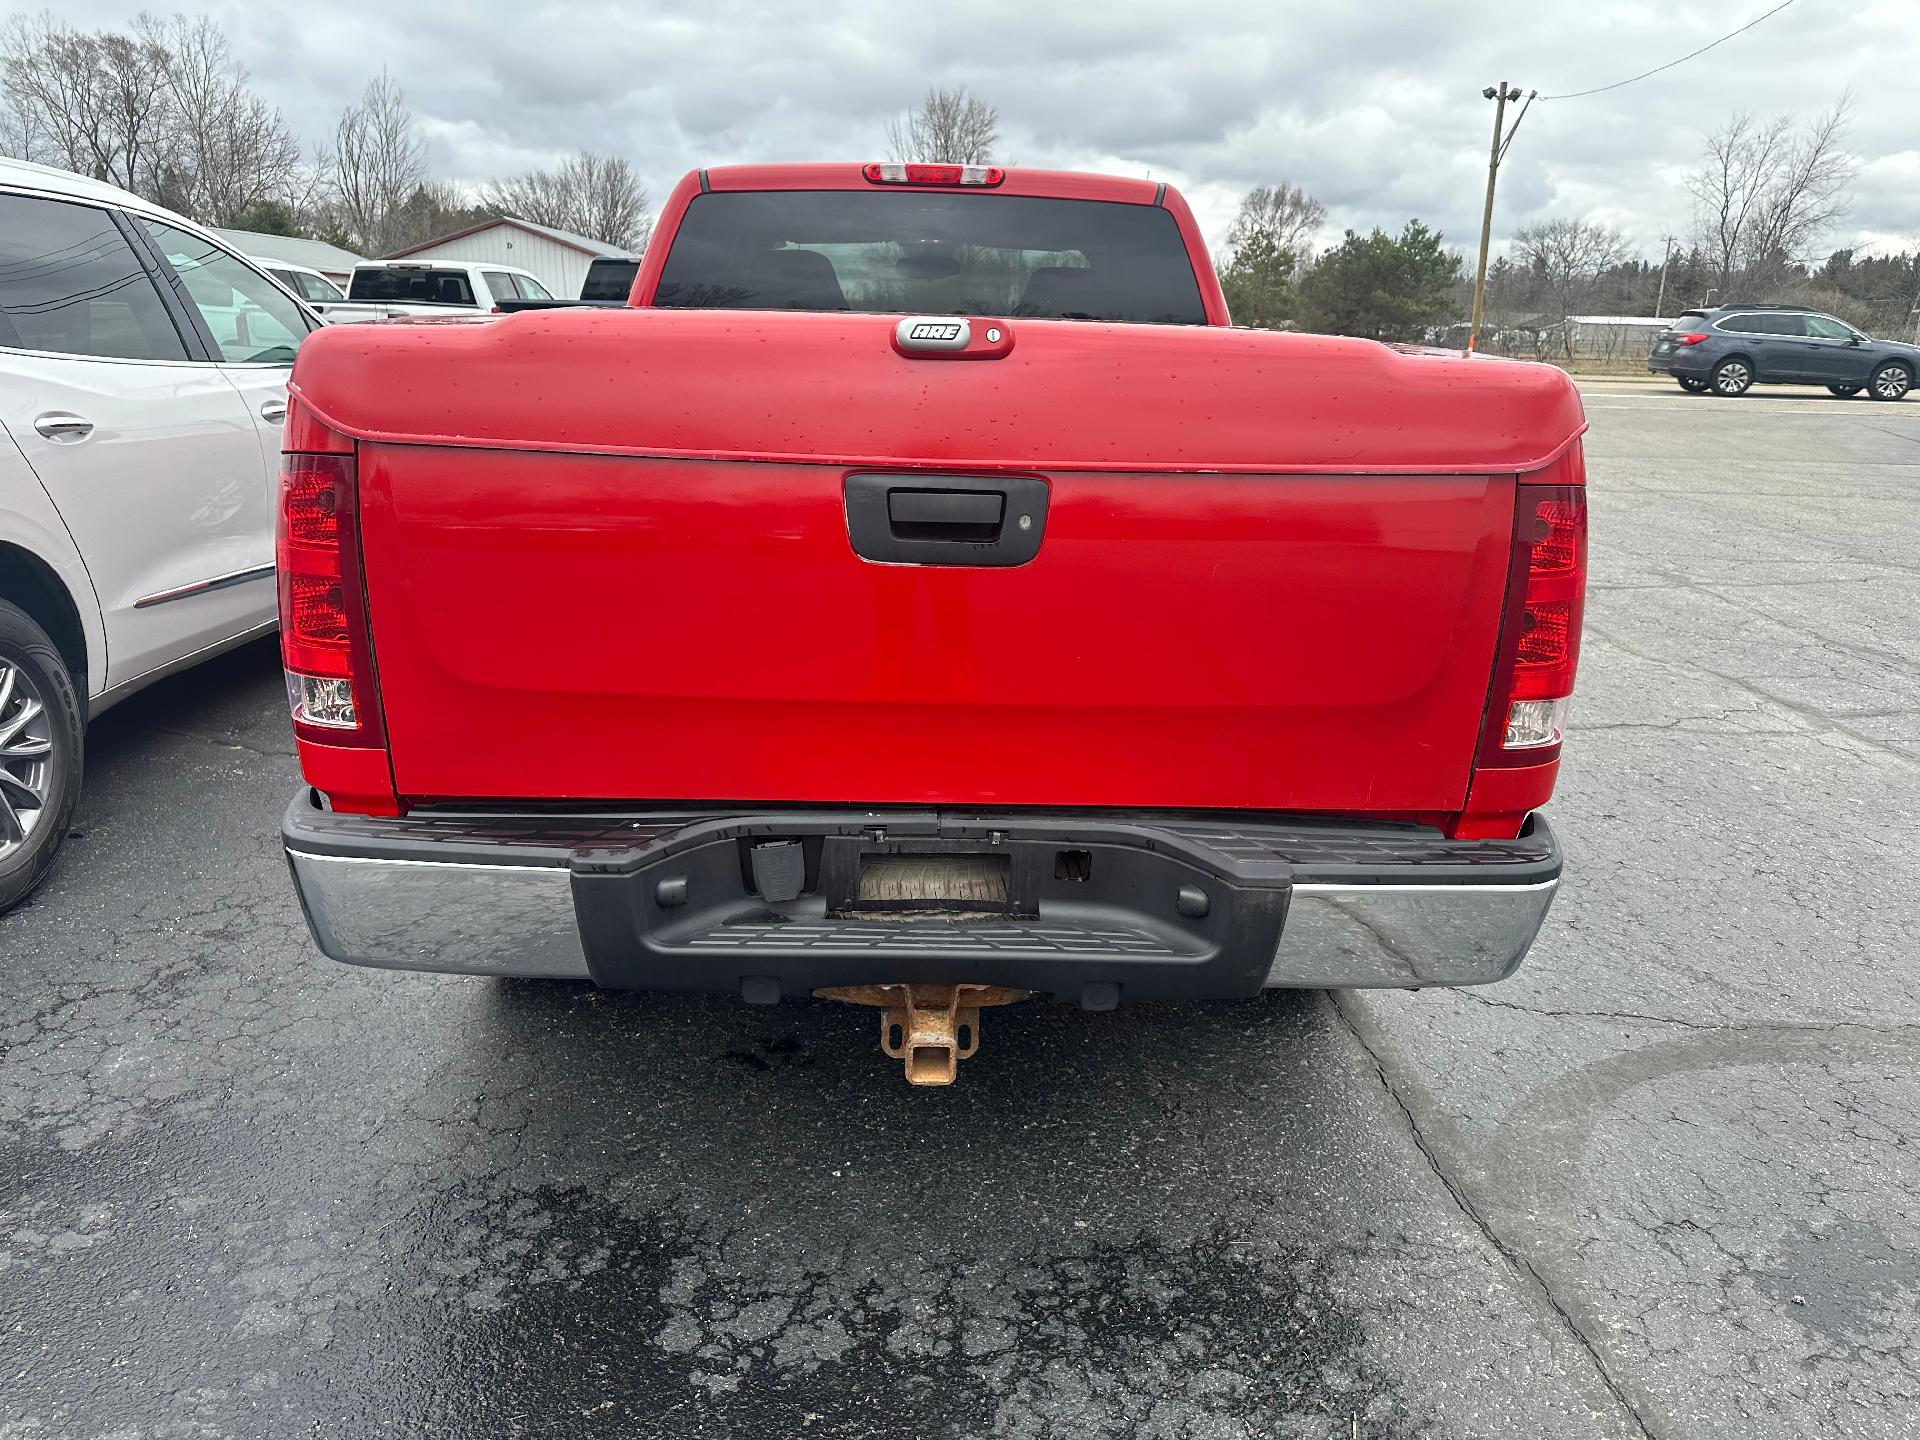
143, 381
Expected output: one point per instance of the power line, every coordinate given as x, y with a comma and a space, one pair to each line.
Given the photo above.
1601, 89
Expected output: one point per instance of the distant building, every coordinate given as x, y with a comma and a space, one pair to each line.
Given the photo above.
557, 258
1606, 337
330, 260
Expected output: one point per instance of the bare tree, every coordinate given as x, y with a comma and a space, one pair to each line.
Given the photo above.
162, 109
1566, 257
1765, 193
47, 83
136, 103
96, 103
594, 195
953, 127
16, 139
1812, 190
234, 150
1283, 217
377, 164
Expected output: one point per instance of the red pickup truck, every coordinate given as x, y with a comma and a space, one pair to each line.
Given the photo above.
920, 593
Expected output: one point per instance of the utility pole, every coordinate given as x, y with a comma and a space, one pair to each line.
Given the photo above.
1661, 304
1499, 97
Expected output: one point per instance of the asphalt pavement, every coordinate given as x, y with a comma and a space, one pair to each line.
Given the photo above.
1661, 1183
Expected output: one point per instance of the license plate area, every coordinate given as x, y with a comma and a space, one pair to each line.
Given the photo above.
957, 885
862, 877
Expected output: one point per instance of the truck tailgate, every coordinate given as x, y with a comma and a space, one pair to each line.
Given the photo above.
615, 564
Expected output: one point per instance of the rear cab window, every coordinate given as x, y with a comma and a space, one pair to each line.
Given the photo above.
412, 285
926, 252
609, 279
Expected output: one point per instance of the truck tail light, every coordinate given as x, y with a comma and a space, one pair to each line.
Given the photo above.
1540, 632
323, 610
894, 174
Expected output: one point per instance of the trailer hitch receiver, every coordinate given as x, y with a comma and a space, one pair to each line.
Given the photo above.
930, 1028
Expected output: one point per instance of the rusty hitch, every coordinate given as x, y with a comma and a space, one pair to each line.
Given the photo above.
932, 1028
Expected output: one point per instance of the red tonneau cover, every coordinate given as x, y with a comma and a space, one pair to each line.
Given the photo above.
661, 383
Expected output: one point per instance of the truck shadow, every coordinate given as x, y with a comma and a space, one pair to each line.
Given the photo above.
1156, 1211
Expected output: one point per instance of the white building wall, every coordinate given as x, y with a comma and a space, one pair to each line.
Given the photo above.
560, 268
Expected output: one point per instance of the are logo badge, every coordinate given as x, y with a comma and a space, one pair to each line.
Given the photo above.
932, 332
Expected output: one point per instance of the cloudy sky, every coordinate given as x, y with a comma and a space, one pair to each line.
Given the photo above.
1375, 108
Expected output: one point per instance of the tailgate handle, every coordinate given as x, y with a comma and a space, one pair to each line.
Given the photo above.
946, 519
945, 514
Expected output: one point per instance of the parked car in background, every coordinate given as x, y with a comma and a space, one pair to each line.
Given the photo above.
386, 289
143, 382
1728, 349
306, 283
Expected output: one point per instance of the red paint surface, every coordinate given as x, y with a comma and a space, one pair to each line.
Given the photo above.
605, 628
607, 559
1070, 395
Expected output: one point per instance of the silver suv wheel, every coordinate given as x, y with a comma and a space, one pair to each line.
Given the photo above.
26, 757
1732, 377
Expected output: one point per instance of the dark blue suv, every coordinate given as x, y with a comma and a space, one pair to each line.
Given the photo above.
1727, 349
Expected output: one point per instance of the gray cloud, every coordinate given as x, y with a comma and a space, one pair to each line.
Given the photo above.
1375, 108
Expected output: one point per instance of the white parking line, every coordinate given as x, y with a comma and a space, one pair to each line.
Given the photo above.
1832, 407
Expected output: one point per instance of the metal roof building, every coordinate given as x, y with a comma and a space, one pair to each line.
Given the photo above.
558, 258
330, 260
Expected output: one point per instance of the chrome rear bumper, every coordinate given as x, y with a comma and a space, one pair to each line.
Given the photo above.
460, 917
545, 896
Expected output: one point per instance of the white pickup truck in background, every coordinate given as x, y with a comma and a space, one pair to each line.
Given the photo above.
383, 289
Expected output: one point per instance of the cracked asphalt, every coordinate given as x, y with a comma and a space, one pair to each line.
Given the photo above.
1661, 1183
